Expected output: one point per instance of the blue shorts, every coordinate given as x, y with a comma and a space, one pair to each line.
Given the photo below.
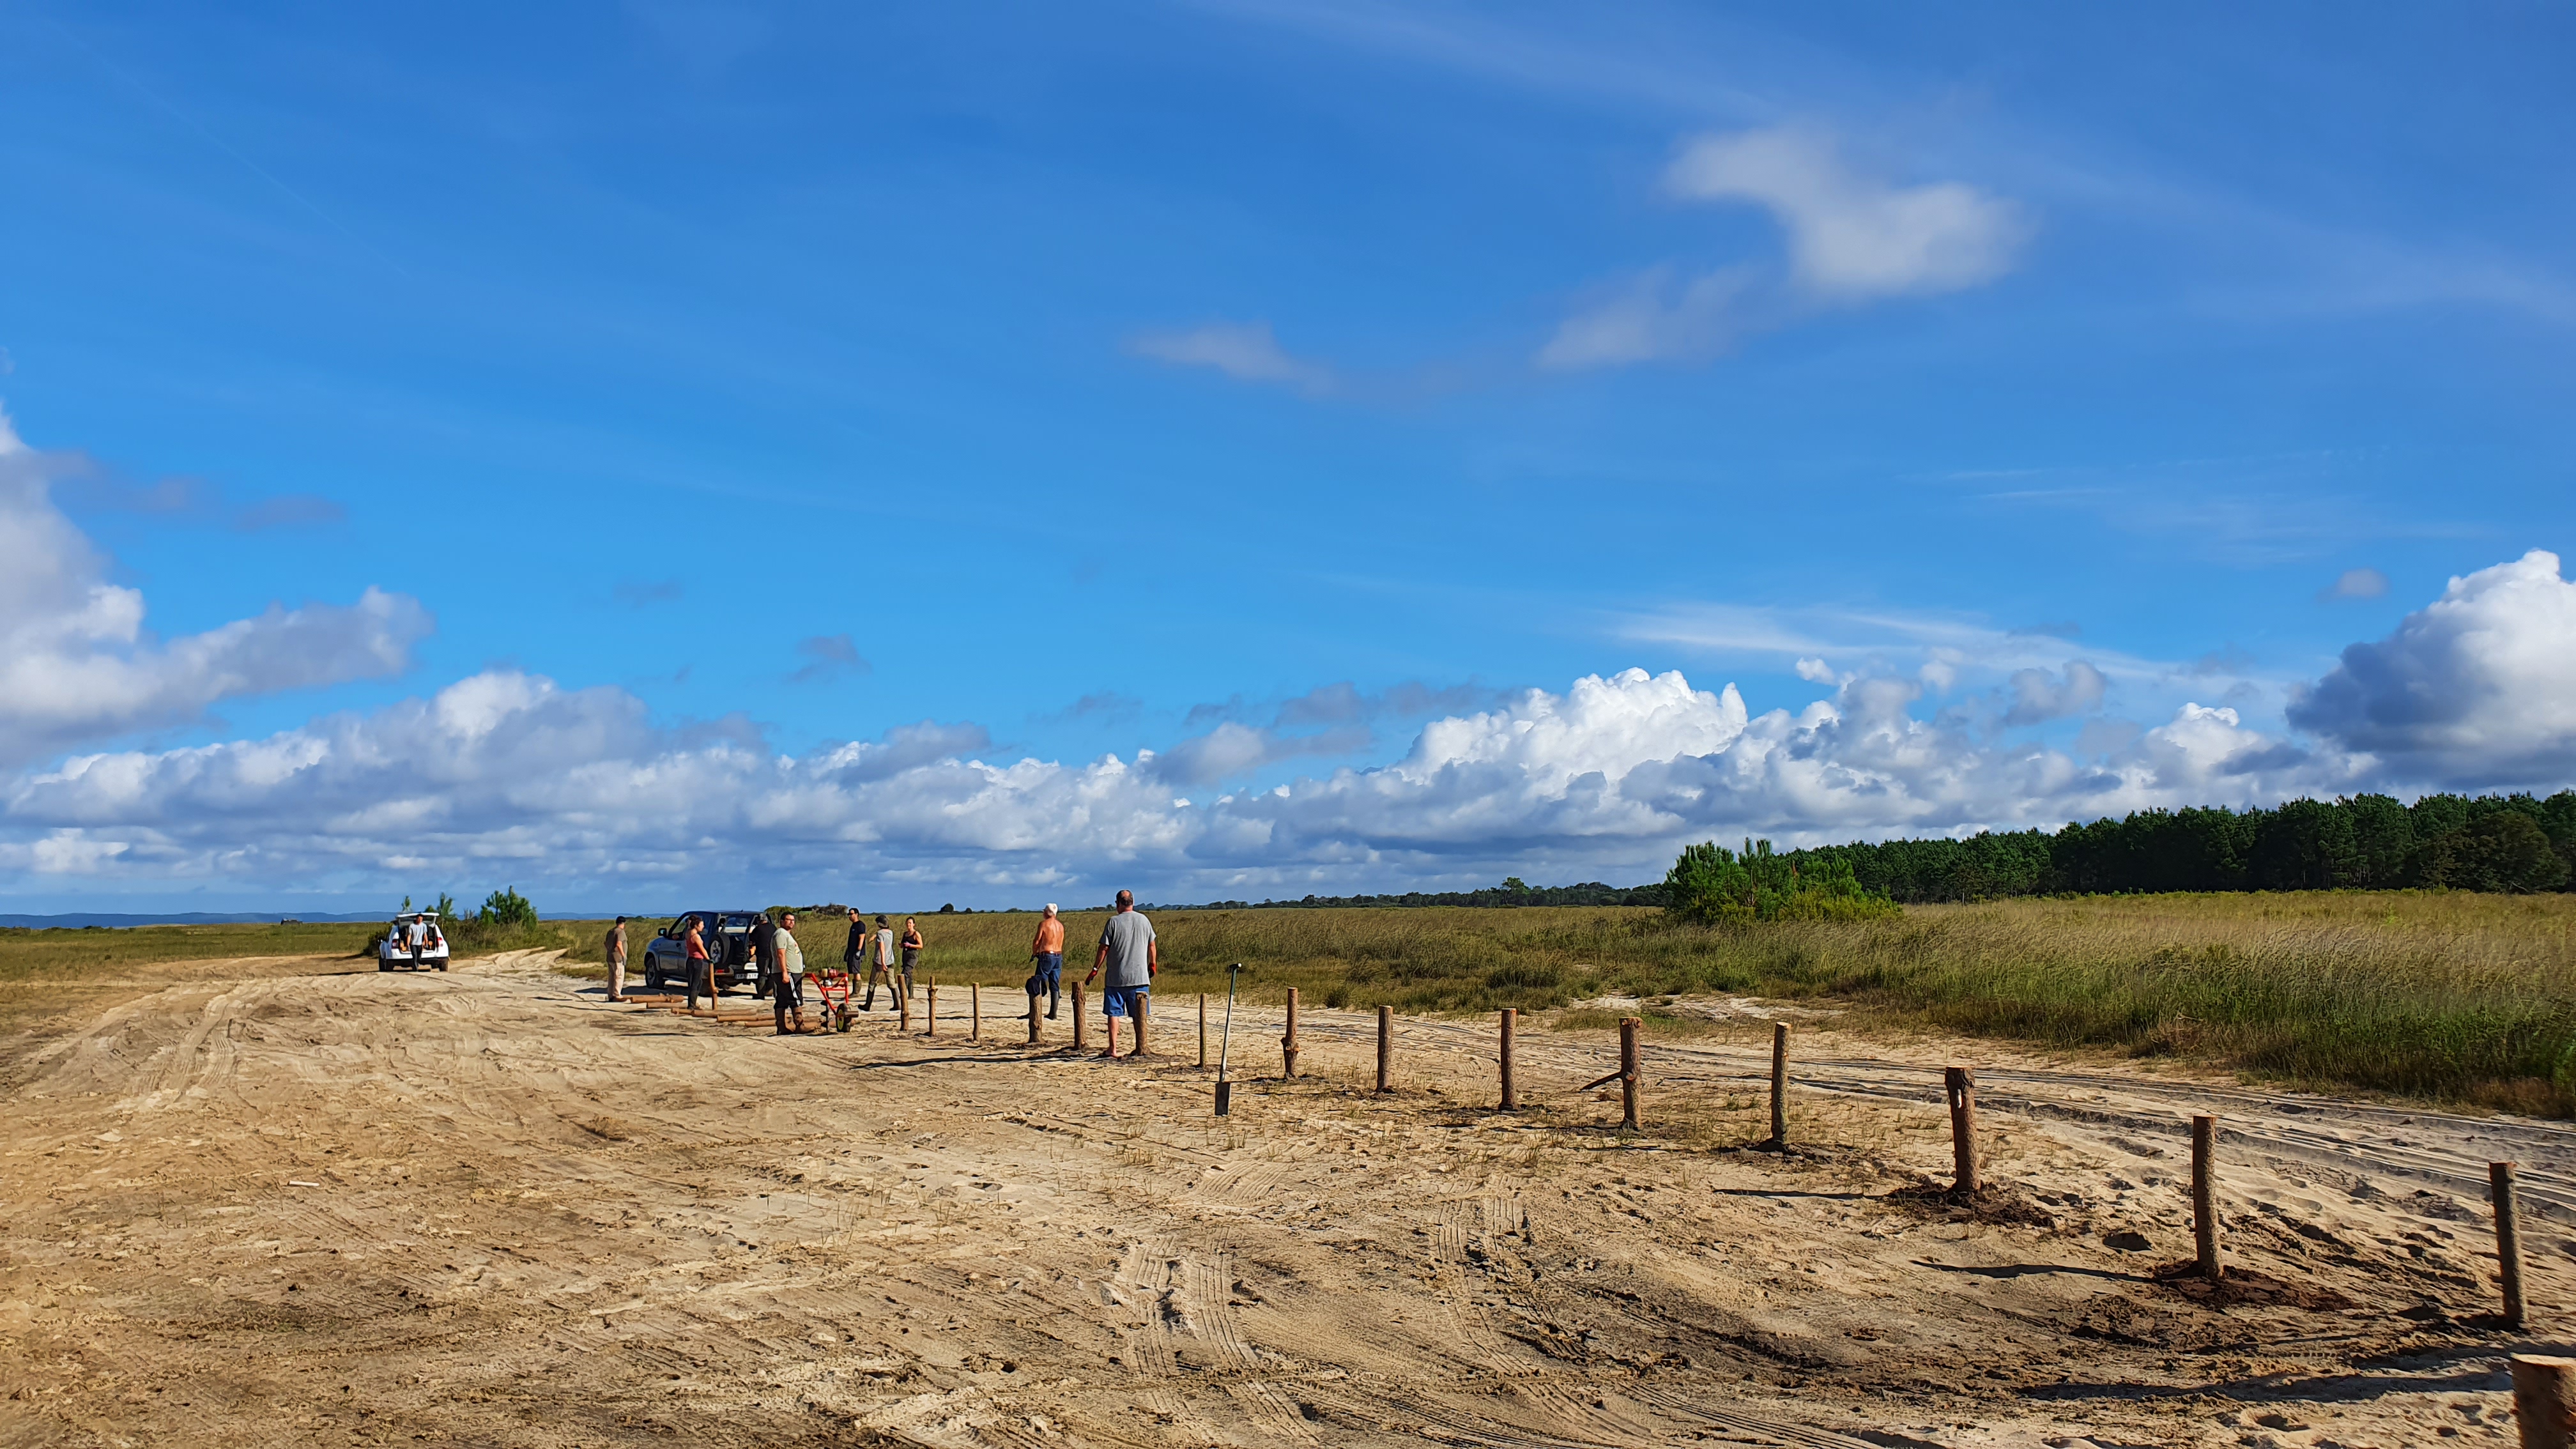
1124, 1000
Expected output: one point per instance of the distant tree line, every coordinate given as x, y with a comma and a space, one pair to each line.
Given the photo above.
2500, 843
2504, 843
1512, 892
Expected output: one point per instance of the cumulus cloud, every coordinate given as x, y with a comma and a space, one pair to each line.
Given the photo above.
1244, 351
508, 773
77, 664
1851, 238
2038, 696
2476, 689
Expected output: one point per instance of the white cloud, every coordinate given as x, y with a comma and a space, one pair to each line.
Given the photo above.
77, 664
2038, 696
1245, 351
1854, 237
508, 778
1656, 315
2477, 688
2356, 584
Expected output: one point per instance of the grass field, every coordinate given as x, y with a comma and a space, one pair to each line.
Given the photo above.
2442, 995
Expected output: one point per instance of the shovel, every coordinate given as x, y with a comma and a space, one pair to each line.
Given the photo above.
1224, 1088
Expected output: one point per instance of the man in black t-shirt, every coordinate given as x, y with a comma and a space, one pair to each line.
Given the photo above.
764, 955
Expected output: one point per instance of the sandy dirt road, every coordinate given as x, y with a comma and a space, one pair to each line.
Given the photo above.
491, 1208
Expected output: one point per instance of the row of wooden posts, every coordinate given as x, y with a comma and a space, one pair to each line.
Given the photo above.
1959, 1086
2544, 1387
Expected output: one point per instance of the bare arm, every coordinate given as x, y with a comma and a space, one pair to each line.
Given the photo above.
1153, 959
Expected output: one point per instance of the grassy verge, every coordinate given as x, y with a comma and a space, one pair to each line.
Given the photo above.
2448, 996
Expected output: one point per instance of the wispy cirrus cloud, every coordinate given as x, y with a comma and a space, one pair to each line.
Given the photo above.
1244, 351
1851, 238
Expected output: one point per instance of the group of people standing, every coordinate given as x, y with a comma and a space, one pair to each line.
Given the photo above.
1127, 953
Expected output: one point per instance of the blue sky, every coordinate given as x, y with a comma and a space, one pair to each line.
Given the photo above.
1093, 381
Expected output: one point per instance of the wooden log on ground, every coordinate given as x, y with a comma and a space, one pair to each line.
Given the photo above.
1960, 1085
2204, 1197
2508, 1237
2544, 1400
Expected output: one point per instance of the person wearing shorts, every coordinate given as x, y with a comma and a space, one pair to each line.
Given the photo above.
790, 994
1128, 953
1047, 953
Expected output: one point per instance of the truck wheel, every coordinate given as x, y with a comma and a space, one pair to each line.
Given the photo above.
442, 965
384, 965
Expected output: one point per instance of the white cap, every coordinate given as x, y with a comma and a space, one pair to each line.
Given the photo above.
1050, 908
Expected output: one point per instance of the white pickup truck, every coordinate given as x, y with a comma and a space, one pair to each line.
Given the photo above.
412, 942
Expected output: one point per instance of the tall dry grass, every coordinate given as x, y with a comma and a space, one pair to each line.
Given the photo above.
2430, 994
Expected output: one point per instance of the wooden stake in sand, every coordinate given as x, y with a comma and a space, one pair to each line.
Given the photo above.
933, 1005
903, 1008
1960, 1083
1142, 1003
2204, 1197
1511, 1097
1288, 1043
1629, 1070
1033, 1018
2508, 1231
2544, 1400
1385, 1047
1081, 1036
1202, 1031
1779, 1084
975, 1005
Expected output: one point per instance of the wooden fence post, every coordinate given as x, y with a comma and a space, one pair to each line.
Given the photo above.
1288, 1043
975, 1005
2204, 1197
1142, 1003
903, 1005
1033, 1018
2508, 1237
2544, 1400
1628, 1071
1779, 1084
1202, 1031
1081, 1033
1960, 1084
933, 1006
1385, 1047
1511, 1097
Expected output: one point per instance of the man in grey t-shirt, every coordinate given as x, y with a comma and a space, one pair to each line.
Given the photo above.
1128, 952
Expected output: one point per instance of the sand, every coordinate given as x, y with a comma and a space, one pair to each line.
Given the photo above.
492, 1208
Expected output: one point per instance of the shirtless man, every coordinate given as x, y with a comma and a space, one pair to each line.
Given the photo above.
1047, 951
